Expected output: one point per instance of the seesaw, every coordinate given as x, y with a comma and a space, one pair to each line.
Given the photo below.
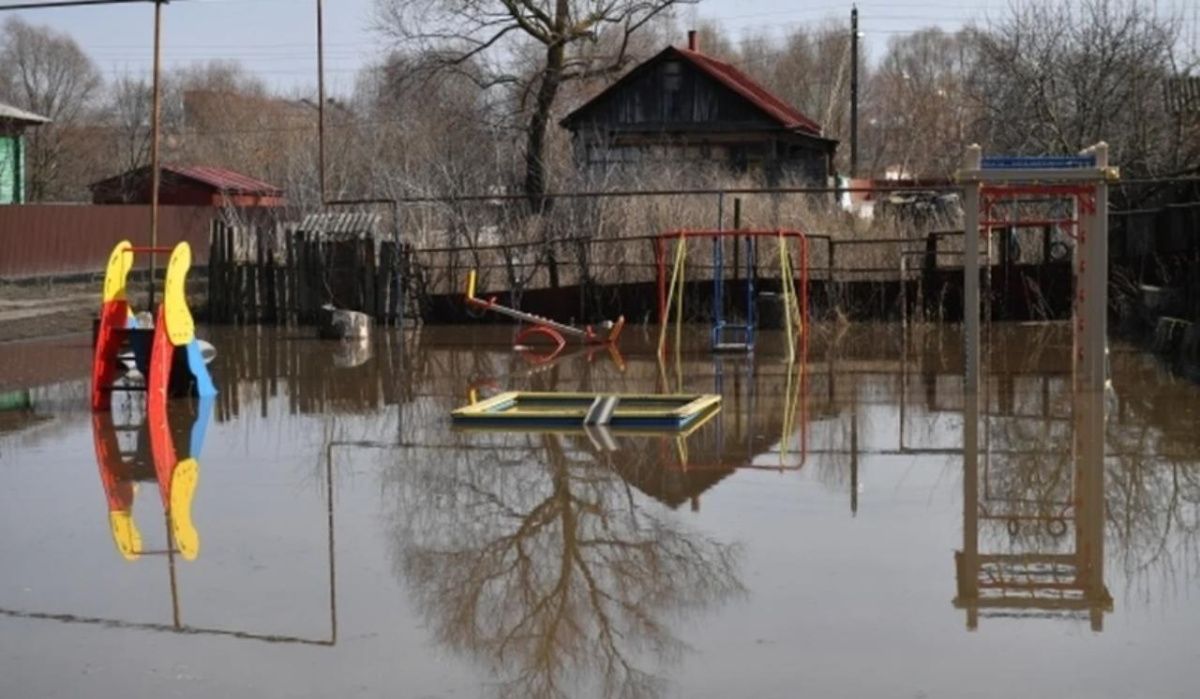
540, 325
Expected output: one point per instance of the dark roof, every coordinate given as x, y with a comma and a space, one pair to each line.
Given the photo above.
1182, 94
786, 115
218, 178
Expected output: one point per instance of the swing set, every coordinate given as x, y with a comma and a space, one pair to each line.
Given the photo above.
725, 335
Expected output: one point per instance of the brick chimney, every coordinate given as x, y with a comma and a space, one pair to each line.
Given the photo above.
693, 41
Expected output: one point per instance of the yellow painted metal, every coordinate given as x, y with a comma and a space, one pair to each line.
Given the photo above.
559, 405
183, 489
795, 373
793, 315
125, 534
471, 284
181, 329
680, 433
117, 272
676, 274
787, 285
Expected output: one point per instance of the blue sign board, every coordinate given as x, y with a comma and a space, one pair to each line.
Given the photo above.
1039, 162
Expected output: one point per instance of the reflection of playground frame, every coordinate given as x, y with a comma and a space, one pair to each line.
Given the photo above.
178, 627
1040, 582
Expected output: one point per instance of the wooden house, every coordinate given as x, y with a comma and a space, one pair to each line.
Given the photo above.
684, 107
13, 123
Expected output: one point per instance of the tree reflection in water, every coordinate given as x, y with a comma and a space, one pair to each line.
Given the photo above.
549, 569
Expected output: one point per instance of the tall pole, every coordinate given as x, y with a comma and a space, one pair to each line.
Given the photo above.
155, 128
854, 91
321, 100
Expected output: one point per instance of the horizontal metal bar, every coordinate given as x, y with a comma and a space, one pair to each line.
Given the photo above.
1048, 176
146, 248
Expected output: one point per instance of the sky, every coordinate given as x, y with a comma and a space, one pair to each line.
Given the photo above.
276, 39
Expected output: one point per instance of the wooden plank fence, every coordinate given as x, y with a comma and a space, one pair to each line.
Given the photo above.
283, 276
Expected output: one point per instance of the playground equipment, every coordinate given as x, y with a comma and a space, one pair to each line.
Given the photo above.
171, 458
540, 325
1036, 581
152, 350
1082, 180
633, 411
726, 335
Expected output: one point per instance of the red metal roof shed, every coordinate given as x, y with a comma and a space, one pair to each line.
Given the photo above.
188, 185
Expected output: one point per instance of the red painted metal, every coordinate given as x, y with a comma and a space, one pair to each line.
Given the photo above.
1029, 223
1065, 190
551, 333
548, 332
162, 444
115, 473
157, 250
162, 355
188, 185
787, 115
113, 318
225, 180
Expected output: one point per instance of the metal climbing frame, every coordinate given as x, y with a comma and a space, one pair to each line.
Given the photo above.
795, 295
1083, 179
1041, 581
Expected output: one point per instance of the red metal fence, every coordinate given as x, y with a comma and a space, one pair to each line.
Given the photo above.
56, 239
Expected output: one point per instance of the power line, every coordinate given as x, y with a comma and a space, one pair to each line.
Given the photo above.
51, 4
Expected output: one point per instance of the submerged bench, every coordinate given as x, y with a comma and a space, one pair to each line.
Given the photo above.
629, 411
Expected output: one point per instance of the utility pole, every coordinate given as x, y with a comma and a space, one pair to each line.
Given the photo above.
854, 91
156, 128
321, 101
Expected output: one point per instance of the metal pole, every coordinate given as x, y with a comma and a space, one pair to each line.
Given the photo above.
155, 127
854, 91
1093, 244
968, 561
321, 99
971, 274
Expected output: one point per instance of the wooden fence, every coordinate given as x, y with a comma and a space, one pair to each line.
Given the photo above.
279, 275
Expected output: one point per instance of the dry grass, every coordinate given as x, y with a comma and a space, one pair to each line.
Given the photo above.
609, 240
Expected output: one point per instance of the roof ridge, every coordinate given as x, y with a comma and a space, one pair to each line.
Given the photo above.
741, 82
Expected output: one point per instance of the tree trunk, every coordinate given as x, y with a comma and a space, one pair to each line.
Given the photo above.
535, 165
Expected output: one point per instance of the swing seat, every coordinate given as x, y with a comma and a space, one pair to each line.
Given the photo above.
723, 343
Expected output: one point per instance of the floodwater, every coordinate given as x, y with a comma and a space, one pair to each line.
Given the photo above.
332, 535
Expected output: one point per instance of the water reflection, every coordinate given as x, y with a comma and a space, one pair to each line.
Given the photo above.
564, 562
1028, 488
166, 447
530, 554
1033, 517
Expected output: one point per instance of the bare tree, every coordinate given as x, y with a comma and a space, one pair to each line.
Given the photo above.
1057, 78
919, 111
550, 570
46, 72
576, 39
129, 116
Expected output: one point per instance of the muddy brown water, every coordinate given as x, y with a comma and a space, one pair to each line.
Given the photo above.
818, 537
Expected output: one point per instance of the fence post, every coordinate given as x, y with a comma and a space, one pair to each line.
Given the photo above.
214, 269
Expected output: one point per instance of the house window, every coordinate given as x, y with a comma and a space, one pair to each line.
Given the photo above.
672, 89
